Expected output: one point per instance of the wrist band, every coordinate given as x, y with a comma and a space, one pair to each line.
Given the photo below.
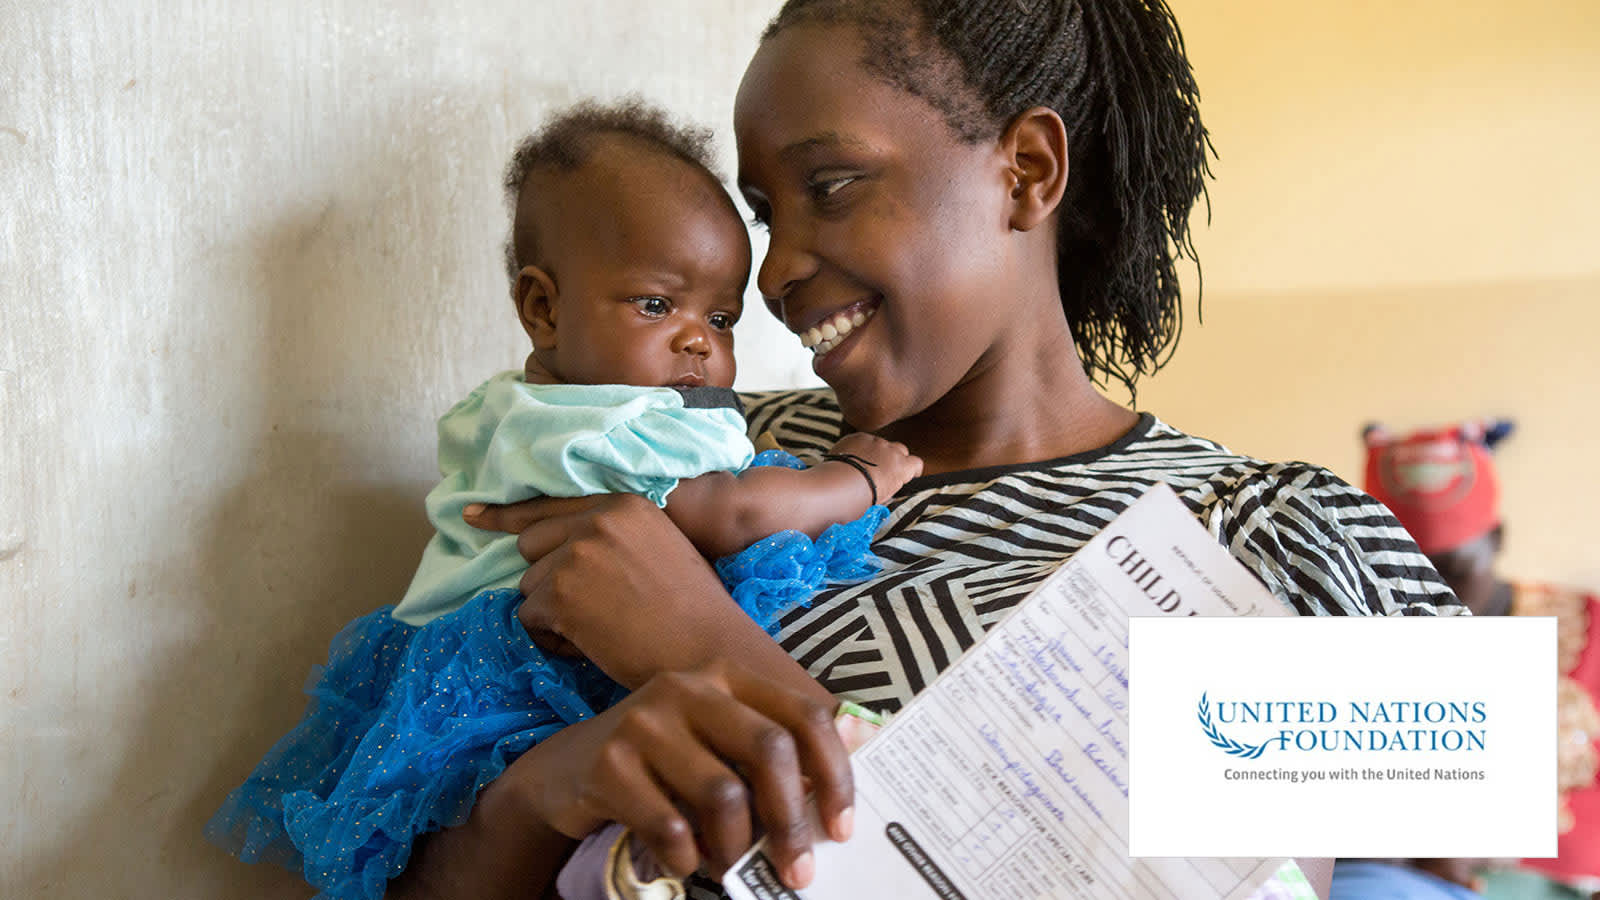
860, 465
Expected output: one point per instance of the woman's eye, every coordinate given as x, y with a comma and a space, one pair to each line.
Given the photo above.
652, 306
760, 215
823, 189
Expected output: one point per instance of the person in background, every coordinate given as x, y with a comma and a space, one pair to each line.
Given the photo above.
1442, 486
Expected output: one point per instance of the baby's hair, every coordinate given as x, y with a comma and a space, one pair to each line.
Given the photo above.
1116, 73
565, 143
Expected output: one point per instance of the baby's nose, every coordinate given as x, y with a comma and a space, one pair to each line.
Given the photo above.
692, 339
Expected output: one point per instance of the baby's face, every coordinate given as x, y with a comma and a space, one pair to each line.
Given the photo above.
650, 262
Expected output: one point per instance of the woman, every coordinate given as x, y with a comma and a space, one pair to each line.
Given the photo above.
1000, 193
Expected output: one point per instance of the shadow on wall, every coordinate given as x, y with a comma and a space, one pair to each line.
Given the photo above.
316, 529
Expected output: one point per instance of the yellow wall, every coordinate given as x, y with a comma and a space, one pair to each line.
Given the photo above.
1370, 143
1405, 228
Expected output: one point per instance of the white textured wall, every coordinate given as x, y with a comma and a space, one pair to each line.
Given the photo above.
251, 251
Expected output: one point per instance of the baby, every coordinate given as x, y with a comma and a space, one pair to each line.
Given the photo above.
628, 262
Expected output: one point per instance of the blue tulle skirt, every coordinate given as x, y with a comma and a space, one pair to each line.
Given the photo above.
406, 724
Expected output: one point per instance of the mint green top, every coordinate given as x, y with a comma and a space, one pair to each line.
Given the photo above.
510, 441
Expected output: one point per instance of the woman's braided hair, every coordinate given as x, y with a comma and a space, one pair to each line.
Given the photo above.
1116, 73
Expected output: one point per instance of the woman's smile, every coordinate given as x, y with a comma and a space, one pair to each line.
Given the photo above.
827, 333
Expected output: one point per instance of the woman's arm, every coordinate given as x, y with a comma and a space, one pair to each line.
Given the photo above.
615, 578
722, 722
667, 763
723, 512
502, 850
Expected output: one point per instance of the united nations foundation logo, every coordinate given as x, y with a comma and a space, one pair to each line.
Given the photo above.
1248, 728
1228, 745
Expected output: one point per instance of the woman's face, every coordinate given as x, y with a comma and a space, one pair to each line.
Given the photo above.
888, 253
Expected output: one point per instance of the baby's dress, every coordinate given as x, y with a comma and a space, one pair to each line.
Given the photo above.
423, 704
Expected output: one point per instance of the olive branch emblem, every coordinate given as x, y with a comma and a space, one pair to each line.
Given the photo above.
1229, 745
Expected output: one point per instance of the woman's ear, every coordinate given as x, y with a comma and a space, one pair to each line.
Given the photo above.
535, 297
1035, 145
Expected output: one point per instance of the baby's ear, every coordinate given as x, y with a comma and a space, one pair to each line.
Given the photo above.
535, 297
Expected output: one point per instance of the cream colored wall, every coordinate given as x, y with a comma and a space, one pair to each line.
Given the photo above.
251, 250
1403, 230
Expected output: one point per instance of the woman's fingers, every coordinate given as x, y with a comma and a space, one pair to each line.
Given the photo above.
542, 537
713, 793
775, 736
656, 773
685, 759
627, 789
722, 800
614, 576
596, 771
772, 737
819, 751
544, 527
514, 518
691, 757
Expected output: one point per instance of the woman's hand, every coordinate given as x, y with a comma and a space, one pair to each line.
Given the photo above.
613, 576
683, 762
722, 722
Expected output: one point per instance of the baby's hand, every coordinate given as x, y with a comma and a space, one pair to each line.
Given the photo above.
891, 464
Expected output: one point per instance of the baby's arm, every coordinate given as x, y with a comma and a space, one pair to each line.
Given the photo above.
722, 513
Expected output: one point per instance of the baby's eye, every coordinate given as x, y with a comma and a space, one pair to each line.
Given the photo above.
655, 307
722, 321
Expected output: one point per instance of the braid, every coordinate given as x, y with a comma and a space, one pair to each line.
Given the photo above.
1116, 73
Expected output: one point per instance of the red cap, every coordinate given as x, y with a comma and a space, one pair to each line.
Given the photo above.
1440, 483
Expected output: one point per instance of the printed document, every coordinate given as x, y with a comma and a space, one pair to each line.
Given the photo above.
1007, 778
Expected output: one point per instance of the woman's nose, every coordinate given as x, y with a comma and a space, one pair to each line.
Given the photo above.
787, 263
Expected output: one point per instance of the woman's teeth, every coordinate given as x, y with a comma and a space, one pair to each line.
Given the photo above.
828, 333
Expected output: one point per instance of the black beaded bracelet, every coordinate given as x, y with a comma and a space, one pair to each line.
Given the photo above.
860, 465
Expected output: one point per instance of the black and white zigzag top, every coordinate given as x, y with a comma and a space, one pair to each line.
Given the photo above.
961, 549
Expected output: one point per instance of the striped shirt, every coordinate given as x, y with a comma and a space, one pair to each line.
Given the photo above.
961, 549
